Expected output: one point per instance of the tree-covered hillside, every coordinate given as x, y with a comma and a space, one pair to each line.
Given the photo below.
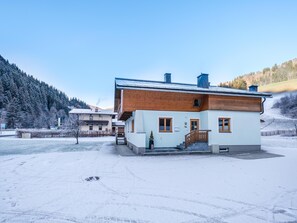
288, 105
277, 73
26, 102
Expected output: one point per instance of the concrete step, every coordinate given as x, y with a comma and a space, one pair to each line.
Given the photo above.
176, 152
198, 146
181, 146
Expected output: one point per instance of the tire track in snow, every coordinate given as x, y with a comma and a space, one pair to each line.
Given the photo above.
252, 207
279, 210
115, 219
184, 199
38, 215
134, 175
231, 212
33, 210
169, 209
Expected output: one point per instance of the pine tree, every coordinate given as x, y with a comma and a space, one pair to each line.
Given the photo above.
13, 109
29, 102
1, 96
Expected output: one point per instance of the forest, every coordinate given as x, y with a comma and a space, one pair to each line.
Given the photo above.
276, 73
26, 102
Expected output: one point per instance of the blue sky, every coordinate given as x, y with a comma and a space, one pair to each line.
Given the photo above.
81, 46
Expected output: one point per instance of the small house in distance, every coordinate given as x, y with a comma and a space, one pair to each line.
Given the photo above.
95, 120
188, 116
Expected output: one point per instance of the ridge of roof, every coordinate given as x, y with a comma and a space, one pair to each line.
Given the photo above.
90, 111
160, 82
170, 87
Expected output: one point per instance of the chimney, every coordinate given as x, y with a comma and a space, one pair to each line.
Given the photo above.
253, 88
167, 77
202, 81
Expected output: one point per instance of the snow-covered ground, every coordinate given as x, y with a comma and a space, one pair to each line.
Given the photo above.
44, 180
54, 180
273, 118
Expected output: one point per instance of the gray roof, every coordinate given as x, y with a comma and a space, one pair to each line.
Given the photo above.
122, 83
90, 111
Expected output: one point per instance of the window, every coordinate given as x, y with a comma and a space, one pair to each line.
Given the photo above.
100, 127
91, 117
165, 124
194, 124
132, 126
90, 127
224, 125
197, 102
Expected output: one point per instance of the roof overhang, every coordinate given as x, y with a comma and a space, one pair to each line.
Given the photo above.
206, 92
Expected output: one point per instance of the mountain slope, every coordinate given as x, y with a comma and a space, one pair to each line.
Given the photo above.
269, 78
273, 117
26, 102
289, 85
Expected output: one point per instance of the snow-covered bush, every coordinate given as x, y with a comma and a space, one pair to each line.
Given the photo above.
288, 105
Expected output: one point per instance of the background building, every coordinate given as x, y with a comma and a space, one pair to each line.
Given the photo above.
95, 119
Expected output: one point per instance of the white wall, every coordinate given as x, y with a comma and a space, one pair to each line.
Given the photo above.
245, 128
137, 138
147, 121
97, 117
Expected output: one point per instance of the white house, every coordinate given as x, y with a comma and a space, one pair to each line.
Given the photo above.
95, 119
189, 116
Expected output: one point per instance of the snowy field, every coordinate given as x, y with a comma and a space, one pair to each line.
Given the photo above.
44, 180
273, 118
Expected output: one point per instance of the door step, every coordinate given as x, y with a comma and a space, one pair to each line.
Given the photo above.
198, 146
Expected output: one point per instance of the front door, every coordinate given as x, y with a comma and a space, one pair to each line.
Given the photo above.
194, 124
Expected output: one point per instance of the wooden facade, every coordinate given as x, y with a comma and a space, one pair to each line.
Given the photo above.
127, 101
234, 103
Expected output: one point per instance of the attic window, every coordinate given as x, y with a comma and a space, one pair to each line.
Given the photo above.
197, 102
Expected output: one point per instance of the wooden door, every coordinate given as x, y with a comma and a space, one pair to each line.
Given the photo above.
194, 124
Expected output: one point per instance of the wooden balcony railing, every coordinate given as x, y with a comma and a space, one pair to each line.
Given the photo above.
196, 136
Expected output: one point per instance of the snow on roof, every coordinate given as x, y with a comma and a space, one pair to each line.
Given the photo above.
118, 123
90, 111
122, 83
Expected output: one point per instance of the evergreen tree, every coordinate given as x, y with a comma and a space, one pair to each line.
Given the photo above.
1, 96
13, 109
29, 102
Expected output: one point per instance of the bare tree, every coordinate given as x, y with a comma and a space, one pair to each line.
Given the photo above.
73, 124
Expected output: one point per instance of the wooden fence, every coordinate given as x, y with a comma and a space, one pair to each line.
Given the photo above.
48, 133
279, 132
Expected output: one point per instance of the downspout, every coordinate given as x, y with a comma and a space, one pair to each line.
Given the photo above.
262, 106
